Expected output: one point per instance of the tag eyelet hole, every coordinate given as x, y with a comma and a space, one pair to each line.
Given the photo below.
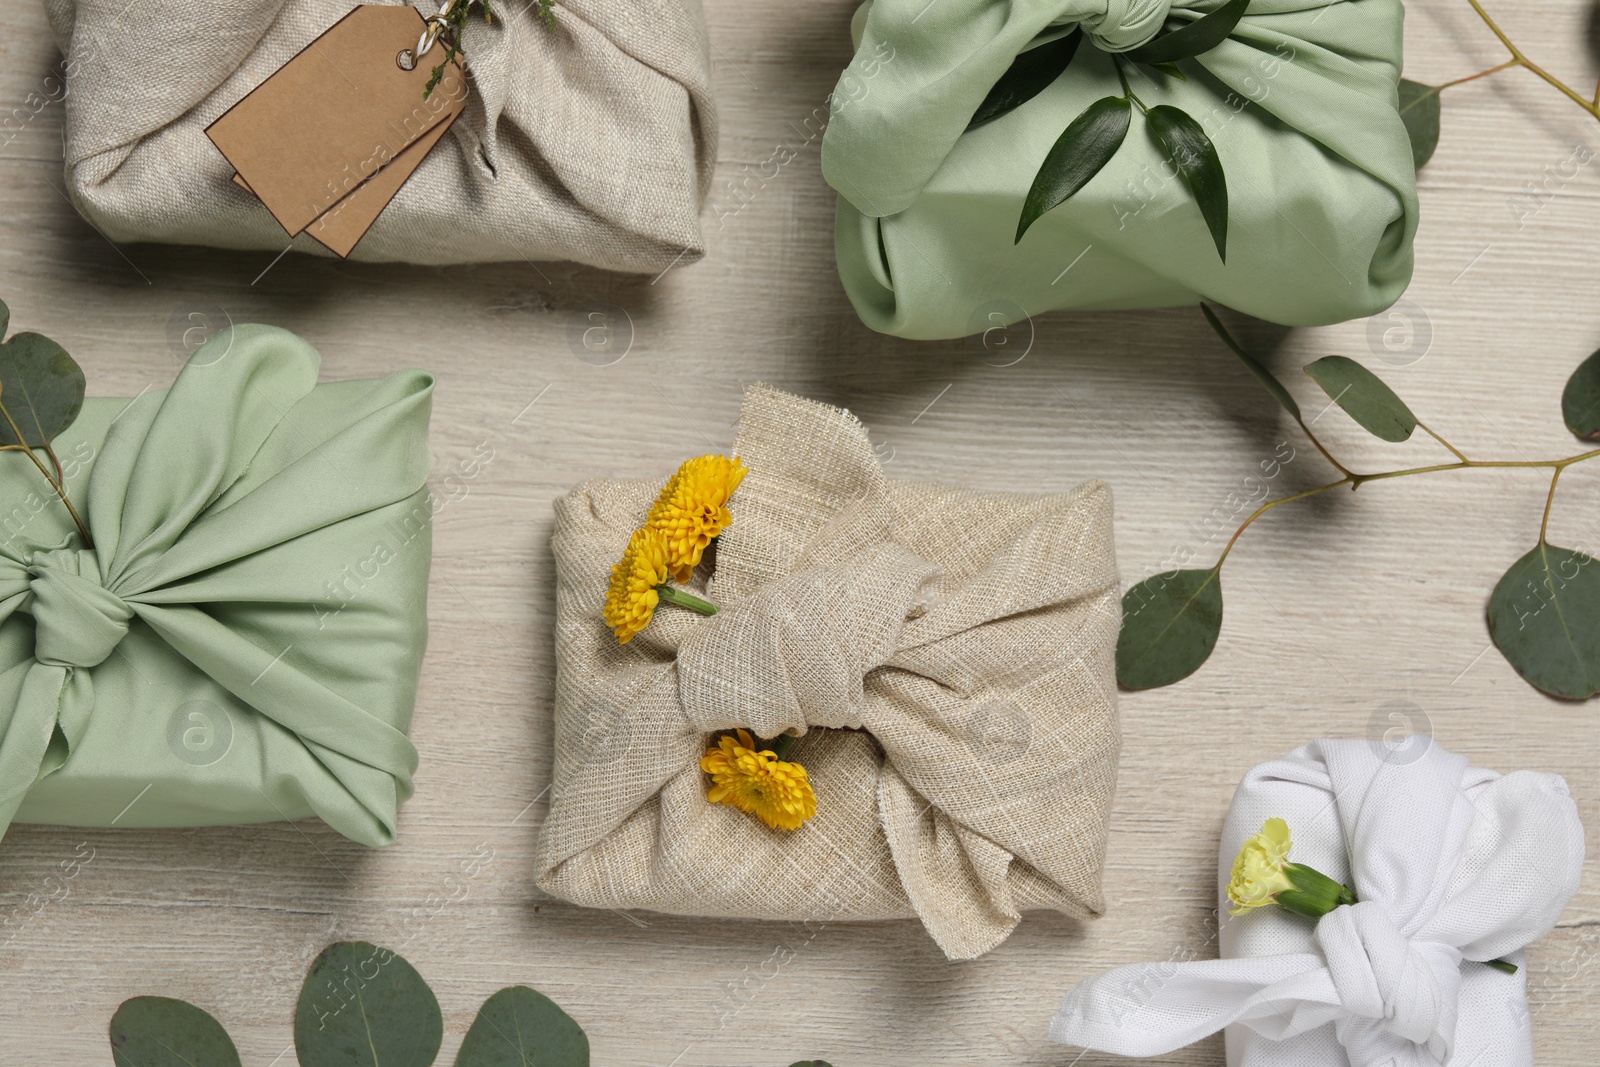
406, 59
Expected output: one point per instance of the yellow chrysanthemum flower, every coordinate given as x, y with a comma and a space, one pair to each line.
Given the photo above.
635, 584
759, 783
1258, 872
693, 509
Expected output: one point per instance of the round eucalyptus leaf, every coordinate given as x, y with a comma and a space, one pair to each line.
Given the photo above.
1544, 616
364, 1006
1364, 397
1170, 624
519, 1027
41, 387
1580, 400
1419, 112
161, 1032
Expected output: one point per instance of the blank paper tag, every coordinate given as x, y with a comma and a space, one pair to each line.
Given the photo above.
340, 125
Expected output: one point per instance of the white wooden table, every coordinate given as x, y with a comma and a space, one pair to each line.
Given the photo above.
1335, 608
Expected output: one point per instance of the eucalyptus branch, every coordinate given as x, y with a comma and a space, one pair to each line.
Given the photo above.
1592, 106
1539, 614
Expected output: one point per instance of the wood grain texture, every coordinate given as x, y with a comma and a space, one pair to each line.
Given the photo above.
1334, 608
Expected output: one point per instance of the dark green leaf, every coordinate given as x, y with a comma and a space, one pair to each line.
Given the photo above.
160, 1032
363, 1006
1580, 400
1029, 75
1253, 365
518, 1027
1364, 397
811, 1063
1186, 42
1079, 153
5, 318
42, 388
1171, 70
1170, 624
1195, 158
1545, 617
1419, 110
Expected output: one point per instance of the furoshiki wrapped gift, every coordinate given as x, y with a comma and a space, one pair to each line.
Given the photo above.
590, 138
1454, 869
943, 654
1299, 102
242, 643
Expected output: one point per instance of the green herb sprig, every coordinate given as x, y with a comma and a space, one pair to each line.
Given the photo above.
359, 996
1543, 615
455, 22
41, 393
1094, 137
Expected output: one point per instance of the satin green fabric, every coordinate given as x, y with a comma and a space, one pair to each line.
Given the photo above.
243, 642
1300, 102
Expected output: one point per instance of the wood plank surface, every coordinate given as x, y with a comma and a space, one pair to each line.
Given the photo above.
1335, 608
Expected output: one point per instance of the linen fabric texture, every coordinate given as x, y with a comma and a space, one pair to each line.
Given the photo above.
945, 656
591, 140
1301, 103
242, 643
1452, 865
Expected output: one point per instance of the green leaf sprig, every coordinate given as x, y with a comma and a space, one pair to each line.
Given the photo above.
1091, 140
454, 17
1543, 615
362, 1006
41, 393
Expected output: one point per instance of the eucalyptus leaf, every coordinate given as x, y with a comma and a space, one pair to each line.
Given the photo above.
1580, 400
161, 1032
1195, 158
1170, 624
364, 1006
41, 387
1186, 42
1364, 397
1083, 148
1029, 75
1419, 111
1254, 366
1544, 616
518, 1027
5, 318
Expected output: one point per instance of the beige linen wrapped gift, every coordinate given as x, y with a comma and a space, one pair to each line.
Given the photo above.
592, 140
944, 654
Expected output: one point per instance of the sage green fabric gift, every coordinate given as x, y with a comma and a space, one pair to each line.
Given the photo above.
1300, 102
243, 641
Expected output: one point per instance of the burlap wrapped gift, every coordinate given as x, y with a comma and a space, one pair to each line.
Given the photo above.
242, 642
592, 140
944, 654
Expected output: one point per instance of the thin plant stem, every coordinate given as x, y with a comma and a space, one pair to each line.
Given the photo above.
60, 488
1354, 481
1591, 106
1544, 523
673, 595
1430, 432
1507, 65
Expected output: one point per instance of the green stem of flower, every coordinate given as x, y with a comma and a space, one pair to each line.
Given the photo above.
1501, 965
59, 487
780, 745
672, 595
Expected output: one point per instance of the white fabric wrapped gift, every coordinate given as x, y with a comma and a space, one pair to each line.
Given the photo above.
1452, 864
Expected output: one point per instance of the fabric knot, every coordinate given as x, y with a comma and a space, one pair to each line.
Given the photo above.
77, 620
1125, 24
1409, 987
796, 654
